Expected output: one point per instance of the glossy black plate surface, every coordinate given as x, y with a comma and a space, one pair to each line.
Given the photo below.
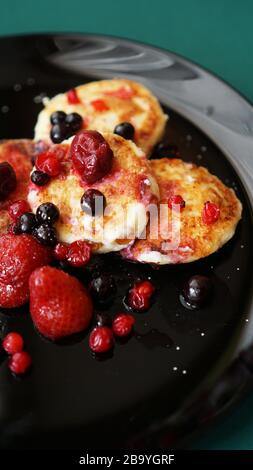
71, 399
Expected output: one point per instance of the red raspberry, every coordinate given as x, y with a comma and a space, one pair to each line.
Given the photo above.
13, 343
210, 213
72, 96
101, 339
20, 362
17, 208
176, 200
60, 251
20, 255
91, 155
49, 163
122, 324
99, 105
79, 253
59, 304
139, 297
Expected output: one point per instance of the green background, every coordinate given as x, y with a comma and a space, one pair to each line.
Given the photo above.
215, 33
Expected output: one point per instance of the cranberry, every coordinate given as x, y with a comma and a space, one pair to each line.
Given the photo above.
61, 251
99, 105
196, 291
176, 200
17, 208
48, 163
20, 362
101, 339
13, 343
8, 180
93, 202
210, 213
72, 96
122, 324
79, 253
91, 155
139, 297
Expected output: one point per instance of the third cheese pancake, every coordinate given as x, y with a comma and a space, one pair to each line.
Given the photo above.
207, 213
105, 104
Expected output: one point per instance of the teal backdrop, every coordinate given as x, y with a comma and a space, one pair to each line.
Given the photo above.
214, 33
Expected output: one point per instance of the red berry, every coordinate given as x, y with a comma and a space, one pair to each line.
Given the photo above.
13, 343
91, 155
101, 339
79, 253
176, 200
17, 208
139, 297
99, 105
210, 213
20, 255
122, 324
49, 163
59, 304
20, 362
60, 251
72, 96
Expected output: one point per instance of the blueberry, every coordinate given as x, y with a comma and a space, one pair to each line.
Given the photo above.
93, 202
125, 129
57, 117
103, 288
103, 319
27, 223
165, 150
39, 178
47, 213
196, 291
8, 180
75, 121
59, 132
46, 235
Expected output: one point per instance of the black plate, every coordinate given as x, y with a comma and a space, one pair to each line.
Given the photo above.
153, 382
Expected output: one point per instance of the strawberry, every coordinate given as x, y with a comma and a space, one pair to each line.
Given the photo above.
59, 304
20, 255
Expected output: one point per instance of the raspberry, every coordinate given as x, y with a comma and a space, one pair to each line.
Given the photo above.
91, 156
20, 362
99, 105
60, 251
101, 339
122, 324
17, 208
210, 213
79, 253
48, 163
13, 343
59, 304
72, 96
176, 200
139, 297
20, 255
